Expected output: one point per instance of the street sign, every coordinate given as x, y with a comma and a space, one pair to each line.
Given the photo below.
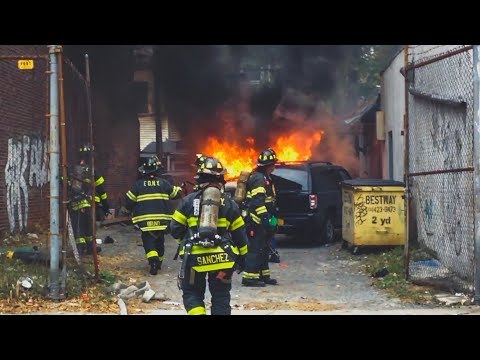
25, 64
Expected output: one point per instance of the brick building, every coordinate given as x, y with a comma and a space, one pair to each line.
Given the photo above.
24, 186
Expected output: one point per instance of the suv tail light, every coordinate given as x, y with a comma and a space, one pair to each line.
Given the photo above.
312, 199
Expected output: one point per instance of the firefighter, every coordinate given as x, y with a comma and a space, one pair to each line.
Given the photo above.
148, 202
213, 241
101, 198
80, 191
261, 221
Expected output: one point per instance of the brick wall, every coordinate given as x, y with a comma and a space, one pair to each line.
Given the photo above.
24, 186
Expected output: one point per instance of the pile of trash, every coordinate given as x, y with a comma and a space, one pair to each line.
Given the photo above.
141, 290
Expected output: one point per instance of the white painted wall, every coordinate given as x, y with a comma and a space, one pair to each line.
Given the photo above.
393, 106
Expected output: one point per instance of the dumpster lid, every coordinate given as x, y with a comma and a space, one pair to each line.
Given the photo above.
372, 182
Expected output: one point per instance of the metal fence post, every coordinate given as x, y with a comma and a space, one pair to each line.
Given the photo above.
54, 177
406, 248
476, 164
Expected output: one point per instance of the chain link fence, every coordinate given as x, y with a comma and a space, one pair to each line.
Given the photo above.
440, 170
76, 110
78, 133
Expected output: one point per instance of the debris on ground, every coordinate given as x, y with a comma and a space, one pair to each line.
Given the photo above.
108, 240
141, 290
452, 300
26, 282
289, 305
123, 307
381, 273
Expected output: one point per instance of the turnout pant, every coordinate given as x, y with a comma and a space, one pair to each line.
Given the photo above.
256, 262
81, 225
153, 244
194, 292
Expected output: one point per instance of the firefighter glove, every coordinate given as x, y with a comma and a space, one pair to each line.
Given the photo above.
270, 224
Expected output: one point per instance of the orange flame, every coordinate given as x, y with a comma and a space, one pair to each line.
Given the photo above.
234, 157
242, 155
297, 146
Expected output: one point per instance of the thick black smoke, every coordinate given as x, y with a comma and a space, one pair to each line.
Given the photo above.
312, 69
197, 80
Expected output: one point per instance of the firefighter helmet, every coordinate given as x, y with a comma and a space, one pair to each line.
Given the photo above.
151, 165
84, 152
85, 148
210, 170
267, 157
199, 160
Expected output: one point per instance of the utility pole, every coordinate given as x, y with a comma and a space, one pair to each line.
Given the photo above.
54, 294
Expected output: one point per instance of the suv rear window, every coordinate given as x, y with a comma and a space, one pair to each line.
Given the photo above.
288, 179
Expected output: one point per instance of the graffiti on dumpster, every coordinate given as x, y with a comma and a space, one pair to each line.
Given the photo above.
360, 211
27, 164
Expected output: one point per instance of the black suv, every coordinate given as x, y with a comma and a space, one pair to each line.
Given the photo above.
309, 198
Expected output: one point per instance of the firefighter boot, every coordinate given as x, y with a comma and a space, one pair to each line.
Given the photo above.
82, 248
268, 280
155, 265
253, 282
274, 257
89, 248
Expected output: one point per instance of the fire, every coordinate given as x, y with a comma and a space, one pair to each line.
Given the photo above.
234, 157
242, 155
297, 146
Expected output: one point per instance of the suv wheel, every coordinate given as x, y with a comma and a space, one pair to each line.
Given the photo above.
328, 231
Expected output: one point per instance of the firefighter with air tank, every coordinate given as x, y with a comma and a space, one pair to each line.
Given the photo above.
212, 241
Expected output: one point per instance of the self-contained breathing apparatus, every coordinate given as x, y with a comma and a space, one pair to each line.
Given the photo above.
241, 190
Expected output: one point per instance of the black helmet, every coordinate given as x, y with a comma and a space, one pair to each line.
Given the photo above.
199, 160
267, 157
85, 148
84, 152
151, 165
210, 170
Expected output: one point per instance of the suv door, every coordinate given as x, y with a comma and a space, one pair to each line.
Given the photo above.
326, 185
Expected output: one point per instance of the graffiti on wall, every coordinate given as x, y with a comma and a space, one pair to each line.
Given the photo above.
27, 166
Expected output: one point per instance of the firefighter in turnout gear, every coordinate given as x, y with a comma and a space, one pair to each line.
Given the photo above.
261, 221
148, 202
80, 192
101, 198
212, 241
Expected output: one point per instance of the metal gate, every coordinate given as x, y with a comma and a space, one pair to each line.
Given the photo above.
439, 171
